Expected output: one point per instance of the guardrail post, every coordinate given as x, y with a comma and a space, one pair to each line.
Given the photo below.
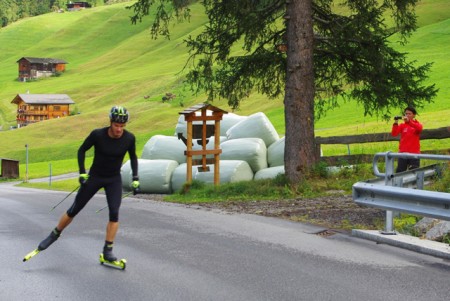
389, 173
420, 179
390, 181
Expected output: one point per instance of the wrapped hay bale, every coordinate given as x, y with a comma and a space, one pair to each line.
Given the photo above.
228, 121
209, 145
126, 174
255, 126
164, 147
251, 150
275, 153
230, 172
181, 126
154, 175
269, 173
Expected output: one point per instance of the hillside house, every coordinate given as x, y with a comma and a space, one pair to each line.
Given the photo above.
33, 108
77, 5
34, 67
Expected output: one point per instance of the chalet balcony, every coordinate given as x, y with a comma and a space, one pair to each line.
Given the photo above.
40, 113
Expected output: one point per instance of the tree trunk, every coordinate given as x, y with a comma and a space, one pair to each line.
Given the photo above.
300, 153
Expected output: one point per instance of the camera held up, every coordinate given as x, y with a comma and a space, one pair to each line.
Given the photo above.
398, 117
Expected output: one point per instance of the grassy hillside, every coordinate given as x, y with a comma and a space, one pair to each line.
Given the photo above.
113, 62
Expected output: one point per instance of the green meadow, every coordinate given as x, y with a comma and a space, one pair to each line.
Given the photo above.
111, 61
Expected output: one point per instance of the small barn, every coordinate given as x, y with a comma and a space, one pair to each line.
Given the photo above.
9, 168
32, 108
35, 67
77, 5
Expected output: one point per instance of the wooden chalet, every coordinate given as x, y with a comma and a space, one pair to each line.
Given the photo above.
33, 108
77, 5
34, 67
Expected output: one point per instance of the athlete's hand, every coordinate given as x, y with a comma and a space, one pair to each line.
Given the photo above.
83, 178
135, 186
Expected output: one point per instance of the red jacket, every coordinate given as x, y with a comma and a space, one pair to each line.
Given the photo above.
409, 136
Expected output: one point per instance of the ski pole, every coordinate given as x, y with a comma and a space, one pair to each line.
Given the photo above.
124, 196
64, 198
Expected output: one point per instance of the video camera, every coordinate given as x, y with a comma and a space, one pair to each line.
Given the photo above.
398, 117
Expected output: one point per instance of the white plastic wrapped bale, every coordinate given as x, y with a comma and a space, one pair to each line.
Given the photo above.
251, 150
230, 172
228, 121
181, 126
126, 175
209, 146
154, 175
255, 126
269, 173
275, 153
164, 147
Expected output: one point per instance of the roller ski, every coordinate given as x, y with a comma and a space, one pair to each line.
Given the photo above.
107, 258
54, 235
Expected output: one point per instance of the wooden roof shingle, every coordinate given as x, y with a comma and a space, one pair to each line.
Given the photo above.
53, 99
42, 60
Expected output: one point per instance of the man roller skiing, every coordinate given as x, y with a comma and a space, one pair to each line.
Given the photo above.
110, 146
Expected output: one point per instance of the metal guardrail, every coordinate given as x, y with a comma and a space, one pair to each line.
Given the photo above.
422, 202
392, 194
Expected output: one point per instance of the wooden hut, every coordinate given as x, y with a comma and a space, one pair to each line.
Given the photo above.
77, 5
34, 67
33, 108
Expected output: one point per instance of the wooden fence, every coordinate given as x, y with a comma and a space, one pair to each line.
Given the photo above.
439, 133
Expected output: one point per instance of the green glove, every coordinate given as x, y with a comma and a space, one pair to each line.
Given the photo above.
83, 178
135, 185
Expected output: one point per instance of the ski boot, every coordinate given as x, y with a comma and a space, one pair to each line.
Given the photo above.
107, 258
53, 236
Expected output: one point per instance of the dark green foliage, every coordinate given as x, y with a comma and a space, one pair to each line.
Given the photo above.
353, 52
13, 10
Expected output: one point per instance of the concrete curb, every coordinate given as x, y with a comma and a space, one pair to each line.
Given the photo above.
412, 243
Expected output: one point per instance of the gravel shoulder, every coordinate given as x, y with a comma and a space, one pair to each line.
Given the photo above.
335, 211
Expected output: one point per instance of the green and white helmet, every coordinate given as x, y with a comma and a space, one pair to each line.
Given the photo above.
118, 114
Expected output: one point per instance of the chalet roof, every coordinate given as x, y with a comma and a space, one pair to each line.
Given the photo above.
42, 60
53, 99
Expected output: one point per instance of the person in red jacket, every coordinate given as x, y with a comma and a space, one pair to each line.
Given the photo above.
409, 132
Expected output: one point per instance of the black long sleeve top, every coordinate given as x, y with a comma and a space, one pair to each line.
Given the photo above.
108, 153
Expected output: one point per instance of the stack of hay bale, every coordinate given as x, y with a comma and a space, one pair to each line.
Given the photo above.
251, 149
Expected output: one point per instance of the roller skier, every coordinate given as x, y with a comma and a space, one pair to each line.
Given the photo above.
110, 146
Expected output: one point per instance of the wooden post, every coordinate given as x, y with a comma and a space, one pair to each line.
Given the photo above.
217, 155
190, 116
189, 156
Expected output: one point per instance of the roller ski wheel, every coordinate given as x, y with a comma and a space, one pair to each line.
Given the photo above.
118, 264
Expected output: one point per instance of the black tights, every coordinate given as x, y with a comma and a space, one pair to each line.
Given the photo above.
405, 164
113, 190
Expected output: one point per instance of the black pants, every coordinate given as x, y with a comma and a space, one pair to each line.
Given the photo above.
113, 190
407, 163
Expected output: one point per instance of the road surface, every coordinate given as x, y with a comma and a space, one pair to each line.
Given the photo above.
180, 253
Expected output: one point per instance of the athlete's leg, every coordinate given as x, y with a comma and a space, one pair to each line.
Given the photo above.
85, 193
113, 190
111, 230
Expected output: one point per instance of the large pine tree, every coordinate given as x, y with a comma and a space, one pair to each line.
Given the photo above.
309, 51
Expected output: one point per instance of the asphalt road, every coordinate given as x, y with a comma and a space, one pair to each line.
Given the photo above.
180, 253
